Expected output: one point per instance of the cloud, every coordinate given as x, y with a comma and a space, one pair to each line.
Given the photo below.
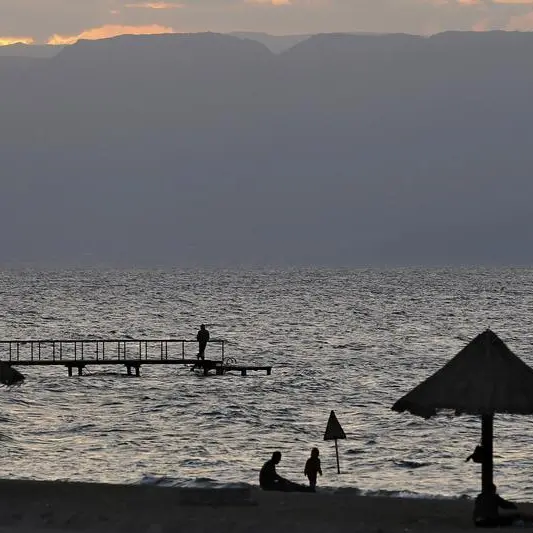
521, 22
6, 41
110, 30
155, 5
269, 2
482, 25
69, 20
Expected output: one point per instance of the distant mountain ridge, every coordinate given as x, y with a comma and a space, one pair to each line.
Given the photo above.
161, 48
275, 43
29, 50
209, 149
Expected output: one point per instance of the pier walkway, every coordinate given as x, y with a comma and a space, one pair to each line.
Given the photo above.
131, 353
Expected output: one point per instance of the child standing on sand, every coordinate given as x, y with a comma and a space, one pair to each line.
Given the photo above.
312, 468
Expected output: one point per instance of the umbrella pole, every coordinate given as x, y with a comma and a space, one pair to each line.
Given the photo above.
486, 443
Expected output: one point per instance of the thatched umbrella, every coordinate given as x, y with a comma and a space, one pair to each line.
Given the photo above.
9, 375
484, 378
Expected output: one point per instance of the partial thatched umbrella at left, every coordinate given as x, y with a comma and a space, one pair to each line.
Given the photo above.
484, 378
9, 375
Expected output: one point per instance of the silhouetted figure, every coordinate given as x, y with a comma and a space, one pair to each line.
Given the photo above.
269, 479
486, 510
312, 467
477, 455
10, 376
203, 338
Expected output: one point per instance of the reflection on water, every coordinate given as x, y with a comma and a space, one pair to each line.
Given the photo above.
352, 341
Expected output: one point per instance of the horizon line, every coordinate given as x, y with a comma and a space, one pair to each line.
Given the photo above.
30, 42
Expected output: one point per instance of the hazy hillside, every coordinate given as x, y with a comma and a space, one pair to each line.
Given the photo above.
26, 50
275, 43
11, 68
210, 149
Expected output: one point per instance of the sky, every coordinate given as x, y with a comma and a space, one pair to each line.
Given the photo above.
65, 21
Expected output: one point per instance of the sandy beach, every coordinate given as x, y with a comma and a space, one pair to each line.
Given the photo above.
30, 506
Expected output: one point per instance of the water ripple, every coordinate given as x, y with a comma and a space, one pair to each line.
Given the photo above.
352, 341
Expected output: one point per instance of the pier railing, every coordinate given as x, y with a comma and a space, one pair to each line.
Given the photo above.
57, 350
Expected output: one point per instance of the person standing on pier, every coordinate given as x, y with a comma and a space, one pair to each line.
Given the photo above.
203, 338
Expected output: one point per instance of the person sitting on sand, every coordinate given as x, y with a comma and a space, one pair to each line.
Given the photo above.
312, 467
486, 510
269, 479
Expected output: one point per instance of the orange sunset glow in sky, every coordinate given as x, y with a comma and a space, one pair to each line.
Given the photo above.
65, 21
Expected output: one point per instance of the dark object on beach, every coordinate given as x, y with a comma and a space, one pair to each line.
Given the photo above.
477, 455
484, 378
486, 510
334, 431
313, 467
269, 479
10, 376
203, 338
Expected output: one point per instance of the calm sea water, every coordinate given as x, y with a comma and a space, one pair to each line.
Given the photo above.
352, 341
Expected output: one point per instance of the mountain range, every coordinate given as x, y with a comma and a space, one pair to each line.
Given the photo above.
210, 149
29, 50
275, 43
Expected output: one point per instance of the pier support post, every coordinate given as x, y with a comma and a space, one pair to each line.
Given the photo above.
269, 371
243, 372
69, 368
80, 370
137, 368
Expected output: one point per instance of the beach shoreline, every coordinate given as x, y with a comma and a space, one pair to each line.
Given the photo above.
29, 506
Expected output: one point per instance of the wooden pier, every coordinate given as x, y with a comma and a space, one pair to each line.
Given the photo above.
130, 353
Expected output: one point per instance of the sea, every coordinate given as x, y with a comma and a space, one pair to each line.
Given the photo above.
351, 341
